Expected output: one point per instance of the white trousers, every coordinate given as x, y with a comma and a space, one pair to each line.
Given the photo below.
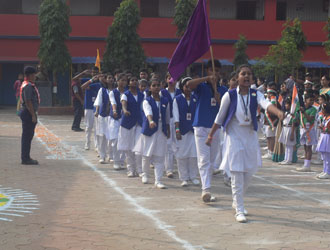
158, 162
288, 153
102, 146
90, 119
169, 159
118, 156
188, 168
206, 155
134, 162
239, 184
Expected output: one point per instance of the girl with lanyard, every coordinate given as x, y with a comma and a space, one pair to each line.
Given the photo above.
152, 144
184, 107
238, 116
115, 119
130, 127
323, 145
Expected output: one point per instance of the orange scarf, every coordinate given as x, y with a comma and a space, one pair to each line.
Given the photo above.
25, 83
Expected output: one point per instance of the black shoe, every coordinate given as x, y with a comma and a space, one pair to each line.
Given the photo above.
77, 129
30, 162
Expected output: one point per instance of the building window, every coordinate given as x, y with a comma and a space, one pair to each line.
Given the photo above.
31, 6
281, 10
246, 10
166, 8
10, 7
108, 8
85, 7
149, 8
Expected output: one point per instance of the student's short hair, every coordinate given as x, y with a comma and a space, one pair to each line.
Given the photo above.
144, 81
241, 67
271, 85
96, 69
144, 71
288, 100
316, 92
217, 64
29, 70
232, 75
326, 77
309, 95
121, 75
326, 107
127, 71
326, 97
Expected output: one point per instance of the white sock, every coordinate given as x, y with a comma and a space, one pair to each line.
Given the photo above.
290, 153
307, 163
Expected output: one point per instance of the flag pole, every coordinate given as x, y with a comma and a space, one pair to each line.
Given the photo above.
212, 58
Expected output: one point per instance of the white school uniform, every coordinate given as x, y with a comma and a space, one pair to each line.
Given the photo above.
127, 139
242, 155
185, 153
153, 148
118, 156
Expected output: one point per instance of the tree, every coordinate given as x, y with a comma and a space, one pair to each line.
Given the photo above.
326, 44
285, 57
183, 12
240, 54
123, 48
54, 29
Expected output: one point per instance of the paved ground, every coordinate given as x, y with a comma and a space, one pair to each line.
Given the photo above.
70, 201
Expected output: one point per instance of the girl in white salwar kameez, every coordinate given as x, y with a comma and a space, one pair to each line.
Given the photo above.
102, 104
152, 144
130, 127
115, 119
238, 116
184, 107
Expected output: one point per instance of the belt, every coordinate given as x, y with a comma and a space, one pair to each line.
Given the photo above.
287, 126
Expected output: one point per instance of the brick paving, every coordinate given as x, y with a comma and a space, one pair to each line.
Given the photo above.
80, 204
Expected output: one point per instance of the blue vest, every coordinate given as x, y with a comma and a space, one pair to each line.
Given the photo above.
118, 109
233, 105
167, 94
205, 112
146, 130
105, 102
134, 107
186, 125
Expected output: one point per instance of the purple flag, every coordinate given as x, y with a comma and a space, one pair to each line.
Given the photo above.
194, 44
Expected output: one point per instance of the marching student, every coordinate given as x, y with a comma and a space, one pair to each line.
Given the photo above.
130, 127
170, 92
102, 104
184, 107
308, 136
115, 119
144, 87
238, 116
323, 145
152, 144
288, 134
208, 94
91, 87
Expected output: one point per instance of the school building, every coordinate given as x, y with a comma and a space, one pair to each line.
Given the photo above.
260, 21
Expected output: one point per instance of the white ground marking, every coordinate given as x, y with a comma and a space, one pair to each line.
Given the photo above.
134, 202
297, 192
16, 205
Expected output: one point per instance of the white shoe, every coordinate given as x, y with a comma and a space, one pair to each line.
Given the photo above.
160, 185
102, 161
302, 156
184, 184
323, 176
141, 175
216, 171
144, 179
266, 156
110, 160
264, 148
303, 169
195, 182
285, 163
169, 174
317, 162
245, 211
240, 218
206, 196
117, 166
130, 174
86, 147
